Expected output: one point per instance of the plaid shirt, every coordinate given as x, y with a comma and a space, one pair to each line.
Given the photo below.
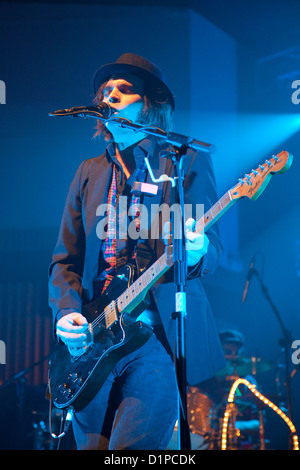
109, 246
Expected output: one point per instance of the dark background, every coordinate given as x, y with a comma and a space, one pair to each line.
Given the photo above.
231, 66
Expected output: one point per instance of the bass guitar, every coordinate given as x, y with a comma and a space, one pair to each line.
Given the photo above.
114, 330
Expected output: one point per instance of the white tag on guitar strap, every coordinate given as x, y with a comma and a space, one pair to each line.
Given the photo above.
148, 189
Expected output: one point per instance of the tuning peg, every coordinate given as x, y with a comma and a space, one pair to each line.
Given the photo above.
241, 181
248, 179
268, 162
255, 172
261, 167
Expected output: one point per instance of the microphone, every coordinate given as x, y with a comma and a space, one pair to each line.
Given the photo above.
249, 276
101, 111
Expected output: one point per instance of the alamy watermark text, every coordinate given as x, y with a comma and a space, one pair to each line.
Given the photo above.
2, 92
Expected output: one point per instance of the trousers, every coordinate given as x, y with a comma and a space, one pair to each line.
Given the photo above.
136, 408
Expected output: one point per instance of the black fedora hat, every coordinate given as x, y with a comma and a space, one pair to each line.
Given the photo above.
137, 65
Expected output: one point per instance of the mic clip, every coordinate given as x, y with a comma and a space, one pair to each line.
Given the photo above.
162, 178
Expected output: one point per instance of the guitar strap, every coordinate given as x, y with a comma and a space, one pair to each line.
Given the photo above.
146, 249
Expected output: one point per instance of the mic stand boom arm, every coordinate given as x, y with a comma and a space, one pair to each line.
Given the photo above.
173, 138
178, 140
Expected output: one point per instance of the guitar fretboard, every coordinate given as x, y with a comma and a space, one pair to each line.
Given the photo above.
214, 213
144, 282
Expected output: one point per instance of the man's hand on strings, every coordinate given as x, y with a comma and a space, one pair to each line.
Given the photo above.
196, 243
71, 330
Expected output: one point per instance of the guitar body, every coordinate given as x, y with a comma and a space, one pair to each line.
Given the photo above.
74, 381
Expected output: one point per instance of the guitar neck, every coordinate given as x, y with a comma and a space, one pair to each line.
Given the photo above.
215, 212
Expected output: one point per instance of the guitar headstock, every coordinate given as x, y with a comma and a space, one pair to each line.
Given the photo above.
254, 183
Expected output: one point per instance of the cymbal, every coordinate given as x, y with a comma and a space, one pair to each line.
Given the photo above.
242, 365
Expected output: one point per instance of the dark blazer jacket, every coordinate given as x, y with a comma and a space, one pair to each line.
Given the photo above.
74, 264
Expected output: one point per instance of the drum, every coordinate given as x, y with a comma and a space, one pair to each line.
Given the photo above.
200, 411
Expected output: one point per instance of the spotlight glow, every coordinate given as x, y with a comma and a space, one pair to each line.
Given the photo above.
243, 139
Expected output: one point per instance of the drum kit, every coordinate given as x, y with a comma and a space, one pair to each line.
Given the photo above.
207, 409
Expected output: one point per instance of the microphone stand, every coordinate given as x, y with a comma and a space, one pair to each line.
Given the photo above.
180, 313
284, 342
180, 143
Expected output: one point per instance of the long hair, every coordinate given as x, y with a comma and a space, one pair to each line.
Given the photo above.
157, 110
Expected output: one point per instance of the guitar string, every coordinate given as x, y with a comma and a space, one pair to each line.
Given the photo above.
210, 213
148, 276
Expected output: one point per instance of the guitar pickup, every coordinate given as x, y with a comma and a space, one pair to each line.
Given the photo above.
111, 315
